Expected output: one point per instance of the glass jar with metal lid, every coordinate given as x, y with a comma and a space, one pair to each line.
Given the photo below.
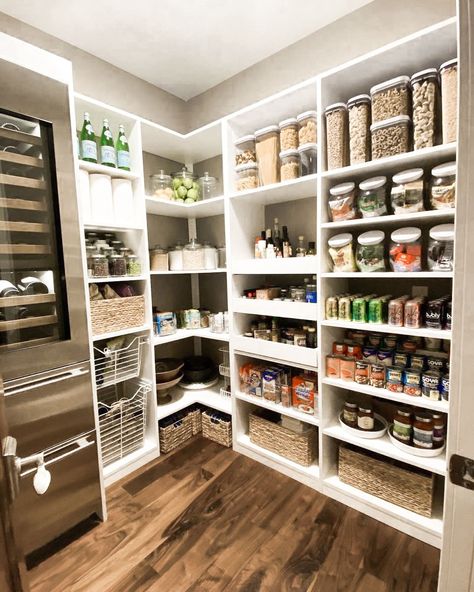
341, 252
358, 108
308, 153
441, 248
423, 426
342, 202
370, 253
100, 265
185, 186
117, 265
365, 418
176, 257
407, 192
443, 186
372, 199
425, 97
158, 259
288, 134
90, 252
161, 185
208, 186
405, 249
336, 135
134, 266
193, 256
402, 426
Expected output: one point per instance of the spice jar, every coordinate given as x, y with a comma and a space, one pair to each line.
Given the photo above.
407, 192
289, 165
390, 98
308, 154
402, 426
288, 134
336, 135
245, 150
443, 186
161, 185
158, 259
372, 200
341, 253
193, 256
370, 254
246, 176
359, 129
210, 256
439, 430
365, 418
390, 137
176, 257
405, 249
134, 267
308, 126
267, 149
423, 430
425, 92
100, 265
117, 265
441, 248
349, 414
208, 186
342, 203
449, 99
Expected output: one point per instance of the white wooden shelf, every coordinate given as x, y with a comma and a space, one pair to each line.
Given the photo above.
121, 332
422, 275
279, 192
289, 411
182, 398
92, 167
382, 393
182, 272
303, 357
116, 278
185, 333
201, 209
276, 308
281, 265
428, 216
385, 328
103, 227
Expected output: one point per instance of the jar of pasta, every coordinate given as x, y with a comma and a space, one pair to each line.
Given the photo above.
341, 252
246, 176
359, 128
245, 150
336, 135
307, 123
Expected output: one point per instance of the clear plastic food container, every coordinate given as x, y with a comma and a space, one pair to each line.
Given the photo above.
407, 192
390, 137
342, 202
193, 256
336, 135
268, 148
372, 199
425, 93
185, 186
359, 128
405, 249
161, 185
370, 253
246, 176
290, 165
288, 134
308, 127
245, 150
443, 186
390, 98
341, 252
441, 248
309, 158
449, 99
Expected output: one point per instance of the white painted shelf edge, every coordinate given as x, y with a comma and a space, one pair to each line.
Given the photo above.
279, 308
384, 328
289, 411
392, 219
182, 398
185, 333
92, 167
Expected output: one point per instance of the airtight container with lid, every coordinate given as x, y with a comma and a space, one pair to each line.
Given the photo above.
288, 134
193, 256
449, 99
390, 98
268, 148
289, 165
370, 253
336, 135
342, 202
208, 186
176, 257
308, 154
425, 96
405, 249
390, 137
161, 185
341, 252
158, 259
359, 128
441, 248
443, 186
407, 192
246, 176
372, 199
307, 127
245, 150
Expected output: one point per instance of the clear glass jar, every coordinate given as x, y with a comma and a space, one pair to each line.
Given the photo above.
370, 252
221, 257
307, 127
161, 185
405, 249
341, 252
245, 150
288, 134
390, 137
210, 256
407, 192
390, 98
267, 145
246, 177
309, 158
443, 186
117, 265
336, 135
359, 129
289, 165
449, 99
90, 252
100, 265
342, 202
441, 248
193, 256
372, 199
300, 294
158, 259
134, 266
185, 187
176, 257
425, 97
208, 186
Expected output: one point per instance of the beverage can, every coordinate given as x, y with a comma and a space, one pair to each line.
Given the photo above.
376, 311
359, 310
344, 309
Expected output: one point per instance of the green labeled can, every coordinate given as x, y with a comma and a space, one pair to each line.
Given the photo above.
376, 315
359, 310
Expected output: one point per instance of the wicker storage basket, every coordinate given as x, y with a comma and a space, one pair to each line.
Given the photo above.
403, 487
195, 415
117, 314
175, 434
264, 431
217, 429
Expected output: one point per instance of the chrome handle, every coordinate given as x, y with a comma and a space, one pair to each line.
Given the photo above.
42, 383
14, 463
9, 446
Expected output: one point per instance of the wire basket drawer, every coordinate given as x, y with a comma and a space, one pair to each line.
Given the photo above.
114, 366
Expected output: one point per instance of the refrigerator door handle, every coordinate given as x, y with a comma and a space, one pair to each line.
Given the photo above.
75, 372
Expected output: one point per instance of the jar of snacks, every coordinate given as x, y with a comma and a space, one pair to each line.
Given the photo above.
176, 257
449, 99
289, 165
158, 259
100, 265
245, 150
161, 185
134, 266
443, 186
425, 93
288, 134
193, 256
423, 430
267, 149
372, 199
441, 248
390, 137
336, 135
390, 99
342, 202
405, 249
359, 128
117, 265
407, 192
403, 426
246, 176
370, 254
307, 124
341, 252
308, 154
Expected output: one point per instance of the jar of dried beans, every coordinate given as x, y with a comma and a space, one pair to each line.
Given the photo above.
336, 135
267, 149
425, 92
288, 134
359, 128
449, 99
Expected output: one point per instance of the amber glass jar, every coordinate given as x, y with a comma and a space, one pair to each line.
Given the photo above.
403, 426
349, 414
365, 418
423, 431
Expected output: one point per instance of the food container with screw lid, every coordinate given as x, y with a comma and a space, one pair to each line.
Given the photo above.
449, 99
336, 135
308, 126
158, 259
405, 249
288, 134
370, 253
407, 192
246, 176
341, 252
359, 128
443, 186
268, 148
425, 97
390, 137
289, 165
308, 154
441, 248
245, 150
372, 199
390, 98
342, 202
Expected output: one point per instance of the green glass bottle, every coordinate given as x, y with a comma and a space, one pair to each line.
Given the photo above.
123, 151
107, 148
87, 141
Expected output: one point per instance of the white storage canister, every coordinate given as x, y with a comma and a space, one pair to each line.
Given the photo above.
176, 257
85, 196
210, 256
102, 203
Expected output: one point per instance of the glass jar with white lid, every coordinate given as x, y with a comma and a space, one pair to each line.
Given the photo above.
342, 202
288, 134
443, 186
372, 199
441, 248
405, 249
407, 192
245, 150
342, 253
308, 127
370, 253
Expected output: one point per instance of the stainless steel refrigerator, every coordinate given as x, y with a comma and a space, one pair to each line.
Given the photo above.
44, 351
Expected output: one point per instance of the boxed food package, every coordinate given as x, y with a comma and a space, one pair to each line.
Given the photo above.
305, 393
271, 384
267, 293
251, 379
165, 323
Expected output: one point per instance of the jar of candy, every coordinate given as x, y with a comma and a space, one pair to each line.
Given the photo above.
341, 252
441, 248
372, 200
370, 253
342, 203
443, 186
405, 249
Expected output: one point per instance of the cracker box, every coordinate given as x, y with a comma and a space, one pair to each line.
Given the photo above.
305, 389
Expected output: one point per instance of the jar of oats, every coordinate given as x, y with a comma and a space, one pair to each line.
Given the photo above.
390, 137
267, 148
288, 134
359, 128
449, 99
246, 176
390, 98
290, 164
425, 92
336, 135
307, 123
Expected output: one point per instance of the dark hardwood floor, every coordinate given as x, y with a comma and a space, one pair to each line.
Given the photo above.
207, 519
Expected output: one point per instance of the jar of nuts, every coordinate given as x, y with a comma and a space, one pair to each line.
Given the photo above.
390, 137
289, 165
245, 150
425, 93
336, 135
246, 176
288, 134
390, 98
359, 128
449, 97
307, 123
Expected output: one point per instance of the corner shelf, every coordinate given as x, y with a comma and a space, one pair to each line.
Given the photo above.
182, 398
185, 333
201, 209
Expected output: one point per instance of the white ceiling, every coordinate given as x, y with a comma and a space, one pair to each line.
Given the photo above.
184, 46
